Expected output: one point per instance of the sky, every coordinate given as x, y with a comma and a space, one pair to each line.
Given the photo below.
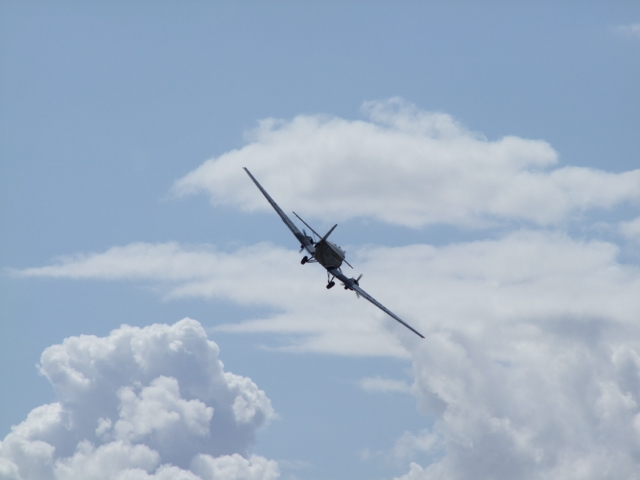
482, 160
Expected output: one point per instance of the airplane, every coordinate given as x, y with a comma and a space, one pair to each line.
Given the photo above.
327, 254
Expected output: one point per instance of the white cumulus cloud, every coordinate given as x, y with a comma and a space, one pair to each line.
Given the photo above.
406, 167
558, 402
142, 403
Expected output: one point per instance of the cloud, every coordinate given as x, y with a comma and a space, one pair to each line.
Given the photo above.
406, 167
631, 229
521, 276
184, 271
531, 363
550, 403
378, 384
322, 320
632, 30
142, 403
235, 467
408, 444
531, 360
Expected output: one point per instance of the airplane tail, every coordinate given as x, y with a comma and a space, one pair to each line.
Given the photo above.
328, 233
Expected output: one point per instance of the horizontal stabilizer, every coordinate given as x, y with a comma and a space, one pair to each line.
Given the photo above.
308, 226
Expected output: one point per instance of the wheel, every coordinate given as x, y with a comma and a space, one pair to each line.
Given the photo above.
330, 284
304, 260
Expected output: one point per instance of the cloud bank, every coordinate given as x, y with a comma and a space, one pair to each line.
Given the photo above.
406, 167
142, 403
320, 320
531, 365
521, 277
556, 400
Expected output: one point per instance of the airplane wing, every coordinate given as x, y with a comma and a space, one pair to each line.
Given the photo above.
307, 243
351, 284
302, 238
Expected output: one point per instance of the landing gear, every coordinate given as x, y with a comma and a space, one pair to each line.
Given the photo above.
330, 282
304, 260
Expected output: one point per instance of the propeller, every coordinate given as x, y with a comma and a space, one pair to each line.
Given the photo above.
357, 282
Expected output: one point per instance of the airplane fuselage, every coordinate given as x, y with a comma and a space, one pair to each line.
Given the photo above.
328, 254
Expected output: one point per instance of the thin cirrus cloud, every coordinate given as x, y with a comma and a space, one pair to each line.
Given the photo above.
386, 385
142, 403
631, 30
406, 167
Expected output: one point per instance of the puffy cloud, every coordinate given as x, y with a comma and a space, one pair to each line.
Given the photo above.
531, 363
142, 403
552, 402
407, 167
531, 366
235, 467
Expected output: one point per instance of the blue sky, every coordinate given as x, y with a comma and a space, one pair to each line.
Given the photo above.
481, 159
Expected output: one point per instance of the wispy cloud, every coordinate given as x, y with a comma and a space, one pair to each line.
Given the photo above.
631, 229
522, 276
324, 320
631, 30
386, 385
